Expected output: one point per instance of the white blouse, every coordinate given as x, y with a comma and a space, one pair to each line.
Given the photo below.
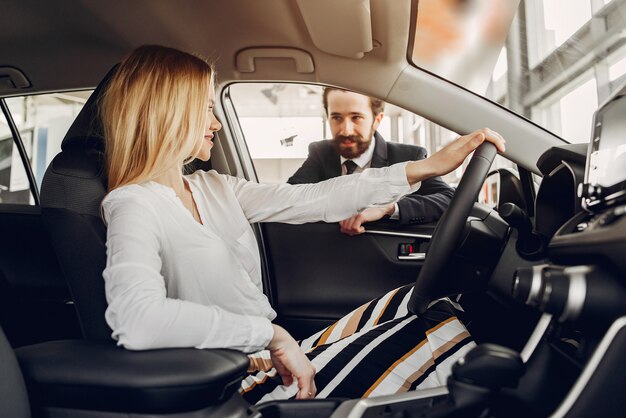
172, 282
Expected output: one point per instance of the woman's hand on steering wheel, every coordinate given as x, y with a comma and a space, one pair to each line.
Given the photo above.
452, 155
431, 283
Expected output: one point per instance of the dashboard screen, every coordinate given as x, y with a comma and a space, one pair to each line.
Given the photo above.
605, 176
607, 161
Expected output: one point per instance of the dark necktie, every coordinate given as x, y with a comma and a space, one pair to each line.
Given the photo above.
350, 166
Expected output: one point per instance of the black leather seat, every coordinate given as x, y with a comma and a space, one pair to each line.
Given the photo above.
13, 396
72, 377
71, 193
94, 374
98, 376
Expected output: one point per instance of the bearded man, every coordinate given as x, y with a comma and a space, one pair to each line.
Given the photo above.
356, 146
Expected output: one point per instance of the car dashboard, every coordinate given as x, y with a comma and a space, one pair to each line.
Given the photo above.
568, 270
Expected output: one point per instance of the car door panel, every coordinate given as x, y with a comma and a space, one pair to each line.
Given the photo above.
317, 274
35, 303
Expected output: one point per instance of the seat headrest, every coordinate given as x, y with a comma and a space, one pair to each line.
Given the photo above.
75, 178
86, 130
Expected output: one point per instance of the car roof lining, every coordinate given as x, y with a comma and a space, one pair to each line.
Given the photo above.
92, 36
89, 37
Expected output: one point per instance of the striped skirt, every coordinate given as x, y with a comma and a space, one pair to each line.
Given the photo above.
377, 349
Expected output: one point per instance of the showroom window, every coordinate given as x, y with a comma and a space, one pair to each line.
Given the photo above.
464, 42
280, 120
42, 121
552, 23
570, 112
551, 61
498, 86
617, 65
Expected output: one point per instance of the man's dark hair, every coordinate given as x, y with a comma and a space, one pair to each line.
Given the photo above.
376, 104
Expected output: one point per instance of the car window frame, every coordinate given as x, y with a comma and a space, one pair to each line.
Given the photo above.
17, 140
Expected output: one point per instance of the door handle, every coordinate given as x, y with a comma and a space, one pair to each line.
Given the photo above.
412, 257
399, 234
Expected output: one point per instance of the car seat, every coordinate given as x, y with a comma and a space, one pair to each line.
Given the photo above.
93, 376
13, 396
71, 192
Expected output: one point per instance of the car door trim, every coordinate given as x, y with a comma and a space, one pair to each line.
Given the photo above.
398, 234
358, 407
591, 367
413, 257
536, 337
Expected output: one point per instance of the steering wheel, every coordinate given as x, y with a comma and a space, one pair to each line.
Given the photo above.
430, 283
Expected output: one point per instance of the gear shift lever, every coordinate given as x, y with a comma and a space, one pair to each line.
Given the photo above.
477, 377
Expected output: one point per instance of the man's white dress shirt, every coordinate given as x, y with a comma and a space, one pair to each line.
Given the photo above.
363, 162
173, 282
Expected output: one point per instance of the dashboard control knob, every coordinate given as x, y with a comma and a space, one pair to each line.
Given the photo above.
588, 191
528, 284
587, 295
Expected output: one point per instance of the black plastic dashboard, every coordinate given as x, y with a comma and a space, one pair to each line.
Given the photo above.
580, 284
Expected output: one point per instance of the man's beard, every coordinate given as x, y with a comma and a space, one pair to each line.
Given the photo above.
353, 151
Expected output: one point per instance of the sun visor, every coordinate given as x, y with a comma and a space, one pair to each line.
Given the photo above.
341, 28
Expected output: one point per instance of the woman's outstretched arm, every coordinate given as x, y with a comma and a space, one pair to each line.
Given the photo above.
442, 162
342, 197
452, 155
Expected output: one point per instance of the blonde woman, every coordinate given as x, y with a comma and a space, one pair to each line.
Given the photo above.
183, 268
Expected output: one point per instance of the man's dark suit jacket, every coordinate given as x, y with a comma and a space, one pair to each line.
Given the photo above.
425, 205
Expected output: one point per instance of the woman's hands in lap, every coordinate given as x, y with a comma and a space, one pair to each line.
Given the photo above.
291, 362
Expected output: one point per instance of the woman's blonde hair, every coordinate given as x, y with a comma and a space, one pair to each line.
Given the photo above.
154, 112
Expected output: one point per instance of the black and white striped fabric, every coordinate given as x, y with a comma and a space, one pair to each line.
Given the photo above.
377, 349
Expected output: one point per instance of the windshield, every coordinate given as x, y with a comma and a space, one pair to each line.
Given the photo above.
551, 61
